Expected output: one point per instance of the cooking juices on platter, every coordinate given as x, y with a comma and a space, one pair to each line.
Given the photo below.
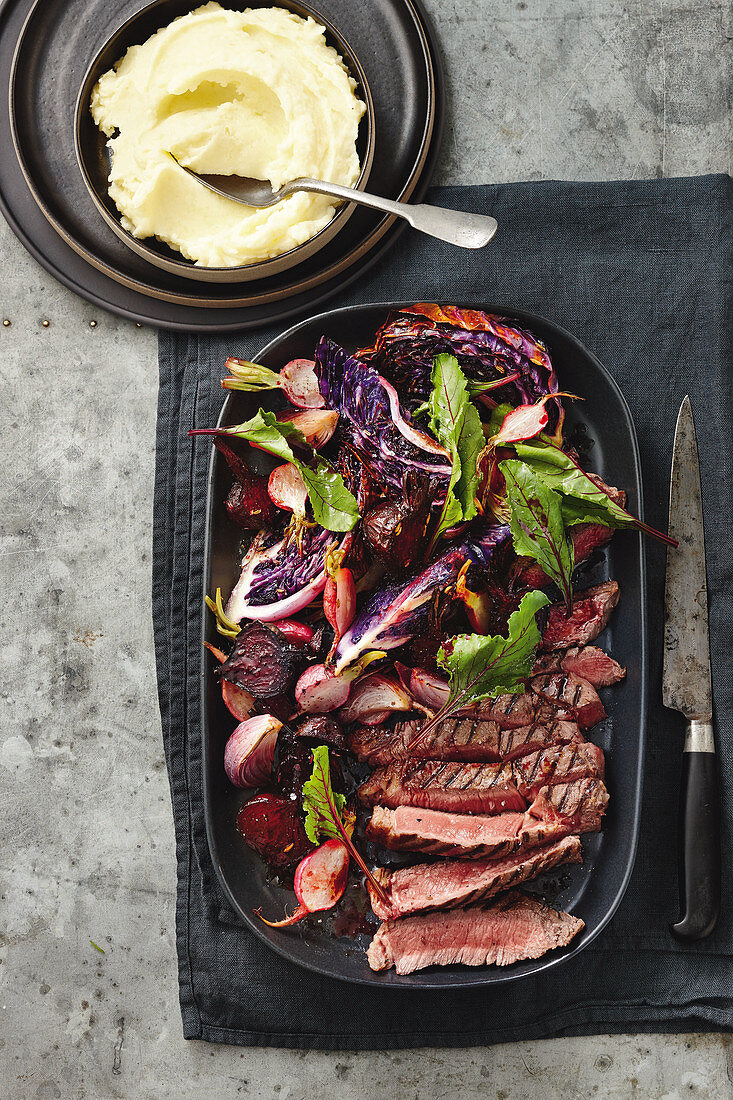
415, 624
258, 94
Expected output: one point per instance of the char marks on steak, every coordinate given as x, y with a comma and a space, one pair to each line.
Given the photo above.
469, 739
465, 788
581, 802
479, 788
448, 884
474, 836
588, 662
503, 932
591, 611
572, 695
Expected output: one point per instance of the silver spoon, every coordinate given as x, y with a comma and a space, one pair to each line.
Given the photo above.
453, 226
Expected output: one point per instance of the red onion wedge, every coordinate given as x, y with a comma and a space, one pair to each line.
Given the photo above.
250, 749
425, 687
320, 881
317, 425
374, 698
297, 380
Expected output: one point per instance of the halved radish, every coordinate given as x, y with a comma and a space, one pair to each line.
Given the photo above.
320, 880
287, 489
339, 599
299, 634
238, 702
300, 384
297, 379
319, 690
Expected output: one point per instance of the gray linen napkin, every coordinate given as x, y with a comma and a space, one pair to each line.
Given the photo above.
640, 272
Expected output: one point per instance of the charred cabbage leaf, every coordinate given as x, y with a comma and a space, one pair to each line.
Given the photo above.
399, 611
487, 348
372, 425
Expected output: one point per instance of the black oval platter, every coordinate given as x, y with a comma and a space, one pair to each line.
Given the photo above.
591, 891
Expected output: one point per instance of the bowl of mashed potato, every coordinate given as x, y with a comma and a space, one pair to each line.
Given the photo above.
255, 90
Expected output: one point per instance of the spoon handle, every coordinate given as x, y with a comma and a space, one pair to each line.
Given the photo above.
453, 226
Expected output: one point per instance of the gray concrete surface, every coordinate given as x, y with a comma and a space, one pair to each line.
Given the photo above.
567, 89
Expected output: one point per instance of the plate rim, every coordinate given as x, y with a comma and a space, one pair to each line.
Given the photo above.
368, 248
488, 977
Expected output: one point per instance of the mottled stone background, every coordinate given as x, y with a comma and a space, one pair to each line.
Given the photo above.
575, 89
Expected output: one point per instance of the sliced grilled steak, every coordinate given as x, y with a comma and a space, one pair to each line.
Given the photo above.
572, 694
448, 884
591, 611
557, 764
470, 739
479, 788
516, 927
587, 661
473, 836
581, 802
463, 836
465, 788
510, 711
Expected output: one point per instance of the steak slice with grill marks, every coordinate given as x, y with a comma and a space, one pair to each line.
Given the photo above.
572, 695
591, 611
448, 884
588, 662
479, 788
470, 739
474, 836
515, 927
581, 802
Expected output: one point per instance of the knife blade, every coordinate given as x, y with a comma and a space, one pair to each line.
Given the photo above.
687, 688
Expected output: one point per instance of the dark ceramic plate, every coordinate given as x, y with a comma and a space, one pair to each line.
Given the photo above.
591, 891
94, 159
49, 45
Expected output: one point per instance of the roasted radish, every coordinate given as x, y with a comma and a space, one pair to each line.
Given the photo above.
237, 700
320, 880
339, 599
319, 690
287, 489
297, 380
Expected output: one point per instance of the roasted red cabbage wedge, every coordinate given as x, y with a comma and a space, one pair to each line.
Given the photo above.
372, 424
486, 346
397, 612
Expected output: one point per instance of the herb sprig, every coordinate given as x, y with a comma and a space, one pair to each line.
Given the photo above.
334, 507
324, 808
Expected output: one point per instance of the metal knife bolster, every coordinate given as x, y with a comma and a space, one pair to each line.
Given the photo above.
699, 736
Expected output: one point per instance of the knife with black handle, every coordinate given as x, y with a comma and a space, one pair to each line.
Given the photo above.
687, 688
